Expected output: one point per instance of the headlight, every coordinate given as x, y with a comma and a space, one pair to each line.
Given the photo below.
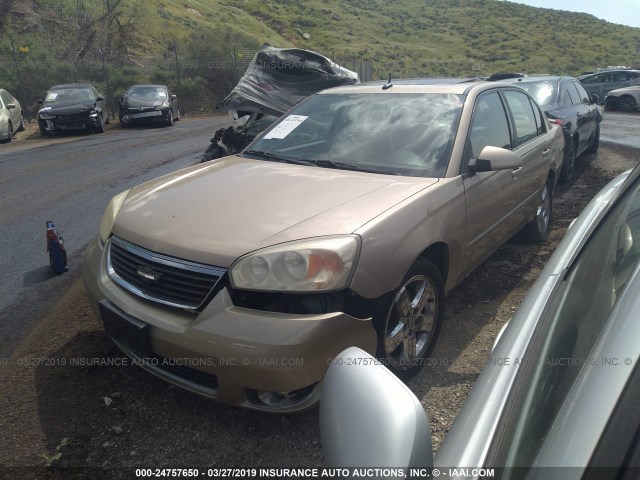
110, 214
46, 116
93, 114
319, 264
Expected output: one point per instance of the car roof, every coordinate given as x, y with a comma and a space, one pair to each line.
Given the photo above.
71, 85
605, 72
537, 78
458, 88
148, 85
424, 81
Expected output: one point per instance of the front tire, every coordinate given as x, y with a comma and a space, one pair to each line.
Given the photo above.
410, 324
10, 133
100, 126
538, 229
169, 119
21, 126
627, 103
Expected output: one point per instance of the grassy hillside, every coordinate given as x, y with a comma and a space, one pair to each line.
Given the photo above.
201, 47
405, 37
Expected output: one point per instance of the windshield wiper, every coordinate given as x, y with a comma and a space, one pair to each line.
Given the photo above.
349, 166
276, 158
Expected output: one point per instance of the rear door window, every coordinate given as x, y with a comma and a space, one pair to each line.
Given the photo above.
523, 116
584, 96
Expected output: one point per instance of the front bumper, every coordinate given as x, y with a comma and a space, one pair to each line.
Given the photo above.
69, 122
238, 356
147, 115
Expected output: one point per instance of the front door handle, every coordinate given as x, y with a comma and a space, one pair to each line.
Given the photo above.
515, 174
545, 152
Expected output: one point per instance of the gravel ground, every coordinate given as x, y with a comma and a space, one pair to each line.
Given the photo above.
90, 420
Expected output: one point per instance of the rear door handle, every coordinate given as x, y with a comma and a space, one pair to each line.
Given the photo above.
545, 152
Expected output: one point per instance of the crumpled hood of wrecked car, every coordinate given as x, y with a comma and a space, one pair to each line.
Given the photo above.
218, 211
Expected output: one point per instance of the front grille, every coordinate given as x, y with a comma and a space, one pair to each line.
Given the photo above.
140, 110
168, 280
74, 117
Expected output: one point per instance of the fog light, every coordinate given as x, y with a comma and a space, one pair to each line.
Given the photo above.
281, 400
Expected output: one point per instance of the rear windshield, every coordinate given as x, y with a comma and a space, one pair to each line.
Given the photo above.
392, 133
544, 92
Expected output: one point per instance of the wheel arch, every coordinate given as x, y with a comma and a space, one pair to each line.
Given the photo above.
438, 254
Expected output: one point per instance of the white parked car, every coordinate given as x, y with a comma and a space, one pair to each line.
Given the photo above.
10, 116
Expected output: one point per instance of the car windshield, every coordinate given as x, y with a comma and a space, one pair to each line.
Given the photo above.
68, 95
155, 93
544, 92
391, 133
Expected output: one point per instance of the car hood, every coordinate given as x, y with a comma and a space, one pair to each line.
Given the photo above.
130, 102
219, 211
66, 108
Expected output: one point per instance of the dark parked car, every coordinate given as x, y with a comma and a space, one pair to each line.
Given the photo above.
149, 104
566, 103
560, 388
73, 106
603, 82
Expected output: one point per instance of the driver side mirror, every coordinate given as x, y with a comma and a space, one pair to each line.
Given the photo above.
595, 98
11, 106
492, 159
369, 418
173, 97
100, 99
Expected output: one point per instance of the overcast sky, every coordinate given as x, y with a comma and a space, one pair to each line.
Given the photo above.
625, 12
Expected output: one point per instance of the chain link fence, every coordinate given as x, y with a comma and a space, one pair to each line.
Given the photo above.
200, 83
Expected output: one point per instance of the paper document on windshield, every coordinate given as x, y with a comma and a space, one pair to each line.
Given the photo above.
285, 127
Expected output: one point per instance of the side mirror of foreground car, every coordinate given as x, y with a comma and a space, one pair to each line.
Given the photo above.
11, 106
595, 98
492, 159
369, 418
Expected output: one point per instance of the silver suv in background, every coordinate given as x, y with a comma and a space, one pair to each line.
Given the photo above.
603, 82
561, 385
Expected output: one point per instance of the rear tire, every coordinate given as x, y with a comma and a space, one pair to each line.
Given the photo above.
595, 144
409, 324
537, 230
568, 164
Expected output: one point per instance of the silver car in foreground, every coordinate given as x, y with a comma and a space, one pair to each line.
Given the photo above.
560, 388
10, 116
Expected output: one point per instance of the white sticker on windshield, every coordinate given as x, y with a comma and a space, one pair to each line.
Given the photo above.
285, 127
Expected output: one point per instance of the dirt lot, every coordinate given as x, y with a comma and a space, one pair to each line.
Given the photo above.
91, 420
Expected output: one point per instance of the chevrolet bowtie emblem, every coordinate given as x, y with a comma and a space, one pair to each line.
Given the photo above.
148, 274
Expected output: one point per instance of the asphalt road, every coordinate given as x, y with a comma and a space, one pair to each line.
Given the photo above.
69, 180
621, 129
